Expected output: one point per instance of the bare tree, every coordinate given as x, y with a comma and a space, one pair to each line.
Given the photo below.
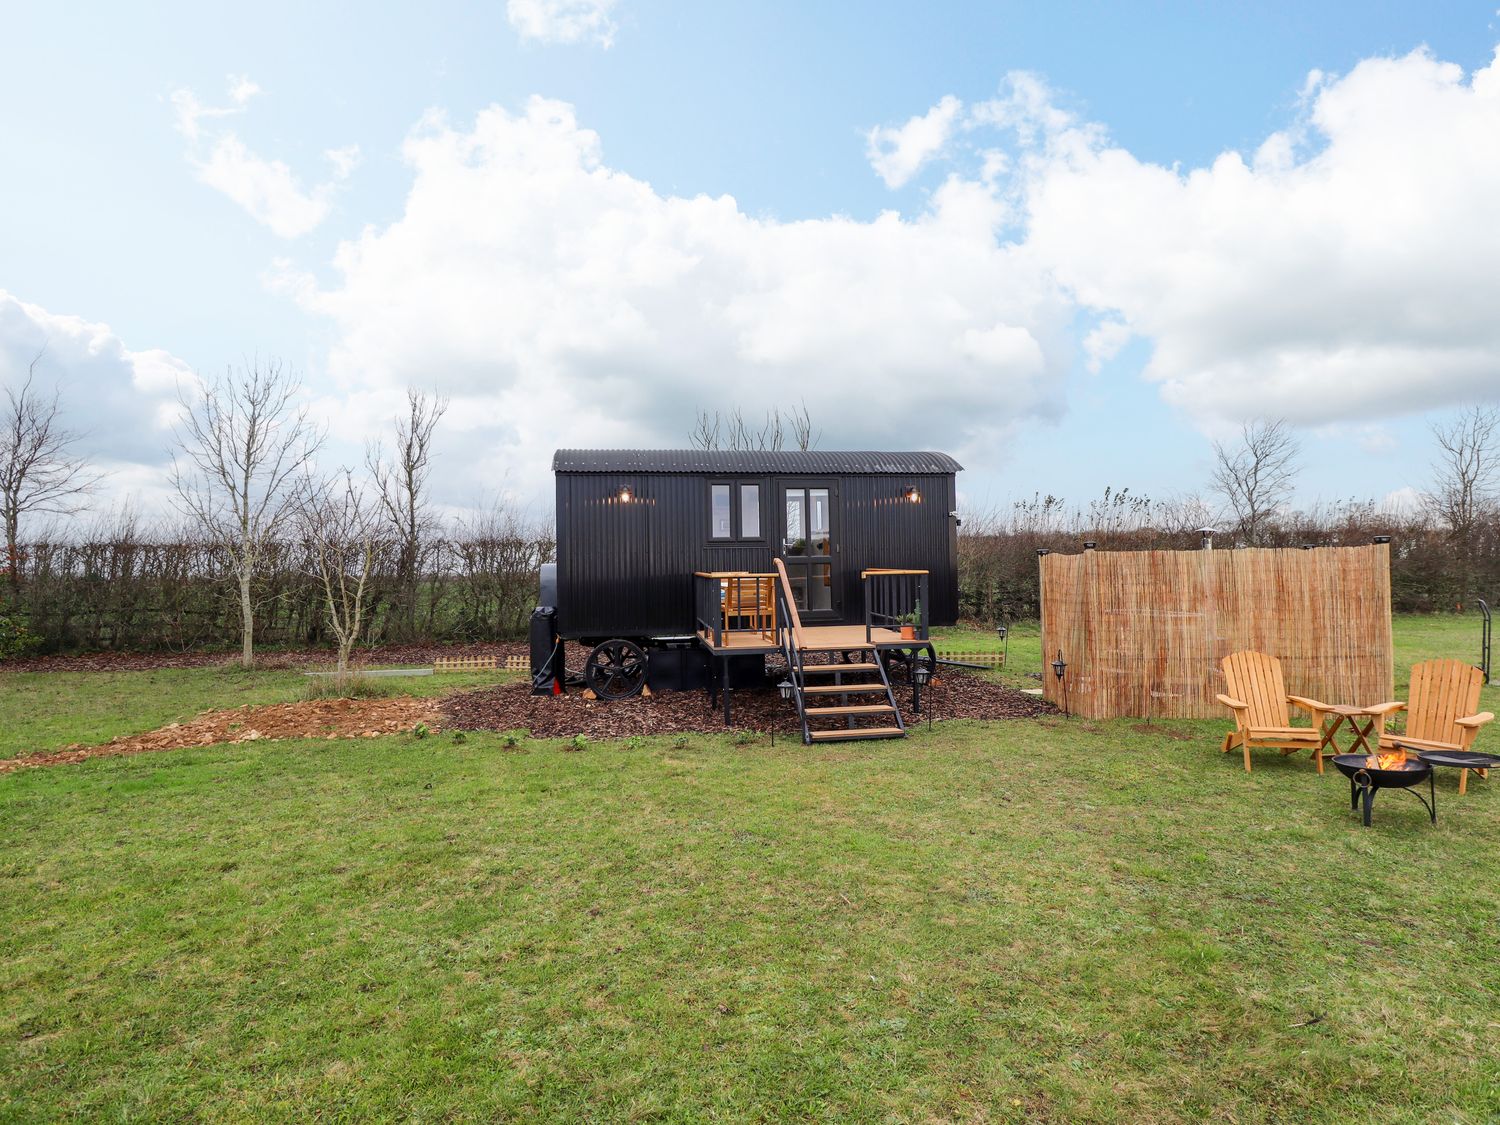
1467, 471
244, 446
1467, 482
339, 524
734, 431
401, 492
39, 472
1257, 475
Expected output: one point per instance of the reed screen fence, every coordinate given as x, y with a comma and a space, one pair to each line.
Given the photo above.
1142, 633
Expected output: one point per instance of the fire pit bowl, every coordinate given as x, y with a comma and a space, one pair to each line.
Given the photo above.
1370, 772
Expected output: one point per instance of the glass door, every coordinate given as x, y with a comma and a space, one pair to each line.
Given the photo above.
807, 548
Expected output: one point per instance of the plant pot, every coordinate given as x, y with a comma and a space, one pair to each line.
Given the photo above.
908, 632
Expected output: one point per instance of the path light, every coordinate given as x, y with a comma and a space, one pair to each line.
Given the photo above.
786, 689
1004, 634
1059, 669
921, 673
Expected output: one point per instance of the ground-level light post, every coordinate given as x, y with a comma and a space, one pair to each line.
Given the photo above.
1060, 670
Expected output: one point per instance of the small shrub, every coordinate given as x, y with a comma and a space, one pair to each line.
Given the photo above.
510, 741
16, 640
635, 742
350, 686
460, 737
744, 737
682, 742
421, 730
580, 742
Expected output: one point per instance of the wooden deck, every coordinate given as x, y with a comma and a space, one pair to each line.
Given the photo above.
816, 638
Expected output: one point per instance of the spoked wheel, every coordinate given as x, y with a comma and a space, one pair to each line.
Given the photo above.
616, 669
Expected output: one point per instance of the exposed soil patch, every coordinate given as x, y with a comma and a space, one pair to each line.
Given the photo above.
375, 656
1176, 734
513, 707
322, 718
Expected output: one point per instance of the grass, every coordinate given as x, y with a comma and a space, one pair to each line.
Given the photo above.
1049, 920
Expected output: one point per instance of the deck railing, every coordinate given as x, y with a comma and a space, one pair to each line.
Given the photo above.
894, 598
734, 601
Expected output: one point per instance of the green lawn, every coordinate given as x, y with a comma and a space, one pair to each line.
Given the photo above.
1046, 920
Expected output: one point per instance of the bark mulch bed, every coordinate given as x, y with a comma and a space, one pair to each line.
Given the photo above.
321, 718
371, 657
513, 707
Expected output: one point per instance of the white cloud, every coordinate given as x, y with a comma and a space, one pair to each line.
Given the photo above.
897, 153
267, 189
1351, 279
563, 21
563, 302
121, 401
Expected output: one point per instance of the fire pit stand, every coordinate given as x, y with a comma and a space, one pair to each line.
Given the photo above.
1365, 779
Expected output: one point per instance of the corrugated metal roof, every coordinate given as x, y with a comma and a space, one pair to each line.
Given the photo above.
810, 462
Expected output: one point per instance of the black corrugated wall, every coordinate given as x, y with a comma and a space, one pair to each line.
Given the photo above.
626, 568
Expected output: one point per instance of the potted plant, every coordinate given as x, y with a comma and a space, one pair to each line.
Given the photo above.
908, 623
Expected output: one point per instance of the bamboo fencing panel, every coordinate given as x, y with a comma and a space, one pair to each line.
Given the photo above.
1143, 632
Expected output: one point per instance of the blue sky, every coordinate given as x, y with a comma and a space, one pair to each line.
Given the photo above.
693, 216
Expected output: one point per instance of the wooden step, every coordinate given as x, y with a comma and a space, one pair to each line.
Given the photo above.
839, 689
851, 709
866, 732
828, 669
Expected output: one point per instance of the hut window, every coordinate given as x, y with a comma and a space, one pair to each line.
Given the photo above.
749, 511
722, 527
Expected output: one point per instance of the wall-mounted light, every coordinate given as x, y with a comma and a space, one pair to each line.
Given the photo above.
1089, 545
625, 495
913, 496
1040, 551
1206, 537
1381, 539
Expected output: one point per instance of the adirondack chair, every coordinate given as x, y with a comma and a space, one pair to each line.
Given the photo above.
1441, 714
1257, 697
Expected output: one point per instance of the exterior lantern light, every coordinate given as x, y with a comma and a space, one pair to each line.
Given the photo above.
1381, 539
1059, 669
626, 495
921, 673
1001, 631
786, 689
913, 495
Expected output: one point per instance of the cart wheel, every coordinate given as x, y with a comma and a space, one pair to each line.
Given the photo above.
616, 669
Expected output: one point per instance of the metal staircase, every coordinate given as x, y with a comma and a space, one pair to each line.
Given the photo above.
841, 695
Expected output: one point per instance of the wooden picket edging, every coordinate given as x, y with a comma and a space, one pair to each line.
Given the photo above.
988, 659
480, 664
1143, 632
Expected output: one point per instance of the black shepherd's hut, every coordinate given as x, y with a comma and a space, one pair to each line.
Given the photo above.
672, 550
